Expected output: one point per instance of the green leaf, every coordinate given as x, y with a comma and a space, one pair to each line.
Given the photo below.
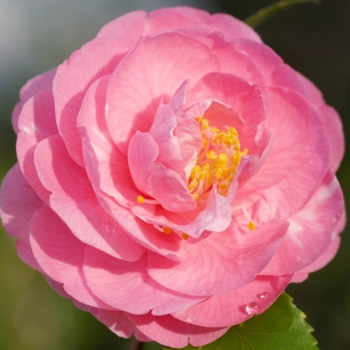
281, 327
262, 15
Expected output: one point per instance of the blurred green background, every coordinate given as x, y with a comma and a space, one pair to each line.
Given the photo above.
37, 35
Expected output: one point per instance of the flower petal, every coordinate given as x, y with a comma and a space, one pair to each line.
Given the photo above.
159, 64
133, 290
298, 159
227, 309
74, 200
220, 263
311, 231
95, 59
169, 331
106, 166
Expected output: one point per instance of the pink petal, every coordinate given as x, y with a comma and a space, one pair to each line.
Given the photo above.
130, 26
36, 122
18, 203
213, 215
154, 179
311, 231
75, 202
36, 84
116, 321
133, 290
143, 233
233, 28
227, 309
169, 331
331, 123
220, 263
106, 166
178, 17
245, 100
298, 159
318, 264
61, 261
73, 78
146, 75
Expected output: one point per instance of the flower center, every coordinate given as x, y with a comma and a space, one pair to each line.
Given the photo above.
217, 161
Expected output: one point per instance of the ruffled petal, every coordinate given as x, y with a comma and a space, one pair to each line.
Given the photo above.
234, 307
220, 263
74, 200
18, 204
159, 64
311, 231
298, 159
318, 264
169, 331
63, 260
106, 166
133, 290
73, 78
35, 123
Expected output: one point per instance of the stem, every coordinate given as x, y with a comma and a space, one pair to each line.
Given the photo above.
262, 15
135, 344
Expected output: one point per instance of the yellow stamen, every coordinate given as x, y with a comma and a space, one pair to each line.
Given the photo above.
184, 236
140, 199
167, 230
218, 160
251, 225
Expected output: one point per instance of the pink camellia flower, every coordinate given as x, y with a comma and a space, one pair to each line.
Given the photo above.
173, 176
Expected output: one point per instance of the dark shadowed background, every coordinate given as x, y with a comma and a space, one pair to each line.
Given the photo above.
36, 35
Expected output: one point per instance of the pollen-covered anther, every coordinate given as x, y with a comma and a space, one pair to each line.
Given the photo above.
140, 199
218, 160
167, 230
251, 225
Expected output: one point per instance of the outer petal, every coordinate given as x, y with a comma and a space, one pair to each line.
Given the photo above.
171, 332
31, 88
18, 203
331, 123
159, 64
36, 122
63, 260
188, 17
75, 202
321, 262
311, 231
106, 166
73, 78
116, 321
227, 309
222, 262
131, 26
133, 290
298, 159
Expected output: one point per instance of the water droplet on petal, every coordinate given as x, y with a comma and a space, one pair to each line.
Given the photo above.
263, 295
252, 308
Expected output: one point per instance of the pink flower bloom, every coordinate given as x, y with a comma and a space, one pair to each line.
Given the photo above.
173, 176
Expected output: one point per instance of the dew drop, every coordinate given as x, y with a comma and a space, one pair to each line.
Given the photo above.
263, 295
252, 308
